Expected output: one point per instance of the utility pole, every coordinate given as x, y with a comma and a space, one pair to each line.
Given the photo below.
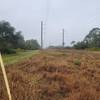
41, 34
63, 41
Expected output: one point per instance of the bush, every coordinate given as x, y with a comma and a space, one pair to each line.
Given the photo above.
77, 62
94, 49
8, 51
20, 50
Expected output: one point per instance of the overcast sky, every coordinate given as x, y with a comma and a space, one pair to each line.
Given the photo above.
77, 17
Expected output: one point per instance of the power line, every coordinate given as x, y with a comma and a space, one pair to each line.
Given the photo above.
44, 23
48, 3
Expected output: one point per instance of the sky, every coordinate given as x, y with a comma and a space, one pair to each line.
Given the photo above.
77, 17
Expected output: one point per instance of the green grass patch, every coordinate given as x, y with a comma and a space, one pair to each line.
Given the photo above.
94, 49
19, 56
77, 62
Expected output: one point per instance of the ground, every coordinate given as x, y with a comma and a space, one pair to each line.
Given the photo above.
19, 56
54, 75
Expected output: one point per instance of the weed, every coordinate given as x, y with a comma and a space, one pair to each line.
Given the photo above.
77, 62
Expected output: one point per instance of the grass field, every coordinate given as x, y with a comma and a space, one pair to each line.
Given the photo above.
54, 75
19, 56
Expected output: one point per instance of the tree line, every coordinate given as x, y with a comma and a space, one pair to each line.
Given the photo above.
92, 40
10, 39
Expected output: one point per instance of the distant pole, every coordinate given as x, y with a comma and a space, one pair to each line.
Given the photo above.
41, 34
63, 41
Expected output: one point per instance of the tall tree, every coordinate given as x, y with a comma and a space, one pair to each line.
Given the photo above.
93, 38
19, 40
32, 44
6, 35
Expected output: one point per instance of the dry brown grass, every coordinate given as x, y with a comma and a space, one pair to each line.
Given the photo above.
53, 75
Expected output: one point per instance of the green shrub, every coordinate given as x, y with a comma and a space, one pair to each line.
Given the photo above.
94, 49
77, 62
8, 51
20, 50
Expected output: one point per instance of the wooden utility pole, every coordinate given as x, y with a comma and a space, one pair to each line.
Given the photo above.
41, 34
63, 41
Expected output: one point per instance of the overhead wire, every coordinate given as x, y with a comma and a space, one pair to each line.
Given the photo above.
46, 16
